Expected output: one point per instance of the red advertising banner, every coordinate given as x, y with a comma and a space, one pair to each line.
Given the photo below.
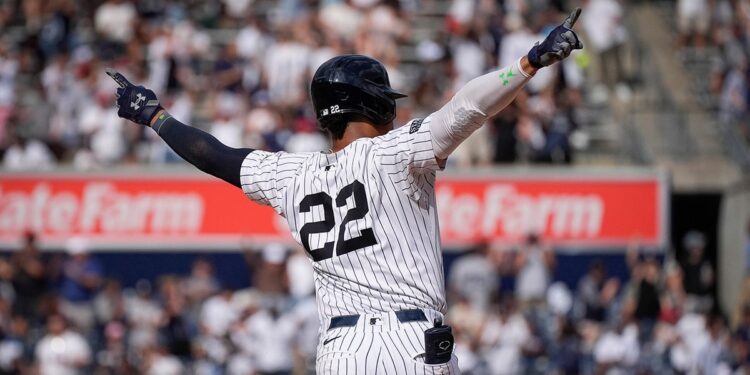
188, 211
574, 211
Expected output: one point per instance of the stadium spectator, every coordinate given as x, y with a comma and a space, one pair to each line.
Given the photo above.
735, 90
698, 273
252, 41
507, 139
29, 277
341, 18
602, 21
691, 340
467, 332
534, 265
729, 61
115, 20
9, 68
300, 275
12, 352
306, 137
286, 68
596, 292
109, 304
474, 278
143, 316
673, 297
7, 293
715, 359
504, 337
262, 121
306, 341
517, 37
568, 356
158, 362
273, 331
742, 328
693, 20
387, 17
27, 154
176, 328
27, 332
81, 279
644, 292
102, 131
62, 350
112, 358
218, 313
243, 361
618, 349
201, 283
269, 269
209, 354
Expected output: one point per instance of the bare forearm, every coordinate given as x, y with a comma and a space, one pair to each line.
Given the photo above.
526, 67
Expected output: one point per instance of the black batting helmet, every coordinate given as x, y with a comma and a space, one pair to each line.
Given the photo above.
353, 84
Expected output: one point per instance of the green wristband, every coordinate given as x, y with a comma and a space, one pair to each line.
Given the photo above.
163, 117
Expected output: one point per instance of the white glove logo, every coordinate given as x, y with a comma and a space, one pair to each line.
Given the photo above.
139, 98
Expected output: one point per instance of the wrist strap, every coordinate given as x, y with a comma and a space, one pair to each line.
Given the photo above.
163, 117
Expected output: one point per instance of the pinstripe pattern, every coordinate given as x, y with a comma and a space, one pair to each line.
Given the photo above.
386, 347
402, 270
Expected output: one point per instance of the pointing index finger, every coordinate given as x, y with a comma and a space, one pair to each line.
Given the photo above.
119, 78
572, 18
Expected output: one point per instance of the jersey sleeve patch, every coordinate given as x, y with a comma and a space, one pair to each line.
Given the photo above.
415, 125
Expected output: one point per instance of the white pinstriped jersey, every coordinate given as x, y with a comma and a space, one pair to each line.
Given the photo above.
366, 216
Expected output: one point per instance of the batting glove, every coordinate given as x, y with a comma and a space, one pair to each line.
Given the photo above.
558, 44
134, 103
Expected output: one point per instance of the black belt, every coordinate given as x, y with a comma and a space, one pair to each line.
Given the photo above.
403, 316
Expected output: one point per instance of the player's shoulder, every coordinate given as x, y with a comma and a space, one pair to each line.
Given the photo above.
408, 130
278, 159
280, 155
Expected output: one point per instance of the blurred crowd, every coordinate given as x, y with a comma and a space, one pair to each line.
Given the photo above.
719, 30
60, 313
240, 69
659, 319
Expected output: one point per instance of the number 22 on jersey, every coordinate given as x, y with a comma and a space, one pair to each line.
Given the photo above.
360, 209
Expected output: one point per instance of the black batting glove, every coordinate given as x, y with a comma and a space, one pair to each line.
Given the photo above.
134, 103
558, 44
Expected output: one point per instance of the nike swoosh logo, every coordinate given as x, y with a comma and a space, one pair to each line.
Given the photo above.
329, 340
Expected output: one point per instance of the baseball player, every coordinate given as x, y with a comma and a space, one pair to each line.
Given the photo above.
365, 210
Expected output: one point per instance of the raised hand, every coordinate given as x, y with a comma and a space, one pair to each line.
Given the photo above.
134, 103
558, 44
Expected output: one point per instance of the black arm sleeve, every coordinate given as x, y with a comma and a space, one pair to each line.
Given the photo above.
204, 151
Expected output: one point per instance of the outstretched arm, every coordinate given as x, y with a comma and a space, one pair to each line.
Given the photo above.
487, 95
201, 149
139, 104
